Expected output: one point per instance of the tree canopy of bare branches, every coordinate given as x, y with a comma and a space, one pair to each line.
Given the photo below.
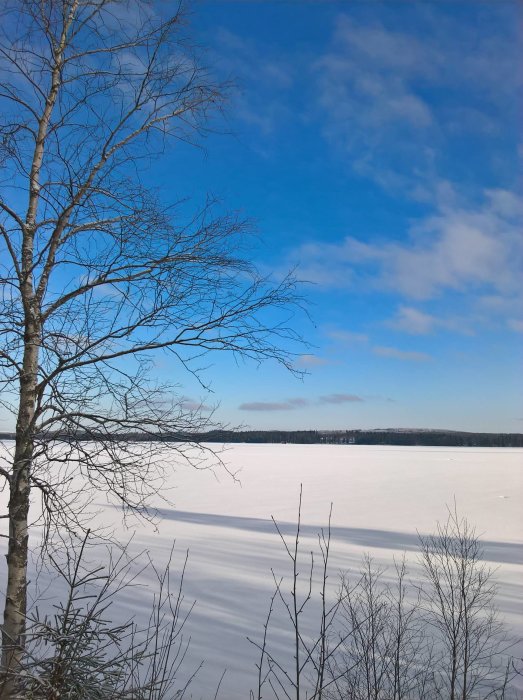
97, 273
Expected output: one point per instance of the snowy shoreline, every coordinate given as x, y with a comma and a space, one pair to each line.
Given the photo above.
382, 496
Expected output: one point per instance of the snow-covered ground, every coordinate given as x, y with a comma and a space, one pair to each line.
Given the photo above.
381, 497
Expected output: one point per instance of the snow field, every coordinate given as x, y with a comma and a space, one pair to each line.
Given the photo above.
381, 496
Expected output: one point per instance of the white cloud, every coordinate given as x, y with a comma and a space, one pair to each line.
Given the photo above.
515, 324
311, 361
347, 337
505, 203
367, 103
397, 354
458, 249
475, 250
499, 305
416, 322
413, 321
391, 97
370, 67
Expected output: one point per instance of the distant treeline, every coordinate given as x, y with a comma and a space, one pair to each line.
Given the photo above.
368, 437
437, 438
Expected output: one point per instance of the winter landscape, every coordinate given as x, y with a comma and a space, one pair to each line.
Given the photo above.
382, 496
260, 350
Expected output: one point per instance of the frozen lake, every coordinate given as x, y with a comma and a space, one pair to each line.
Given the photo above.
381, 496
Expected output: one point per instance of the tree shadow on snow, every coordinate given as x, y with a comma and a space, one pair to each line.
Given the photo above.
499, 552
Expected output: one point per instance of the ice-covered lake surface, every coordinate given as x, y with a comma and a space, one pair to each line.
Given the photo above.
382, 496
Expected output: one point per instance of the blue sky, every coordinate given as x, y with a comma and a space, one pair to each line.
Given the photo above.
377, 147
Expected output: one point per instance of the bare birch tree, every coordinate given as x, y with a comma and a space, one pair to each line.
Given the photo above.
460, 602
96, 273
383, 637
386, 653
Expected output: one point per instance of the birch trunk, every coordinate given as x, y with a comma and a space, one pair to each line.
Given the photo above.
16, 591
15, 608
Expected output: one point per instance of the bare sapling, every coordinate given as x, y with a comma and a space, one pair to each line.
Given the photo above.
80, 651
310, 598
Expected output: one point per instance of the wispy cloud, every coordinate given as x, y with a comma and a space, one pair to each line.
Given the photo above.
191, 405
397, 354
266, 406
340, 398
416, 322
466, 249
413, 321
346, 337
392, 97
264, 80
288, 405
311, 361
298, 403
